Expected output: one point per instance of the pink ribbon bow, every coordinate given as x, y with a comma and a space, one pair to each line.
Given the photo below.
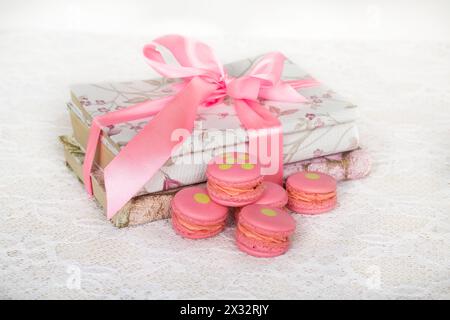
205, 82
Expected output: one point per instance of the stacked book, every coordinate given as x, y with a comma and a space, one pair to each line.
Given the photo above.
322, 126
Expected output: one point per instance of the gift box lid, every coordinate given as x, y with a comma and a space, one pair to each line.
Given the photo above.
323, 108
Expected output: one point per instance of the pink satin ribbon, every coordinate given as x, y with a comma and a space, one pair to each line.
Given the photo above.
205, 82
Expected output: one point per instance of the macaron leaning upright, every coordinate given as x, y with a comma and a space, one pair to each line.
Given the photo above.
274, 195
311, 192
195, 215
264, 231
233, 180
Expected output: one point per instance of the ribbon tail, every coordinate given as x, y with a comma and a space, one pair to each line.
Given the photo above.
138, 111
265, 137
149, 150
94, 136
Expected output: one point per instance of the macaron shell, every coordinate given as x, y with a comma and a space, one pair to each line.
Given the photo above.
280, 205
312, 208
238, 200
274, 195
257, 248
312, 182
179, 229
196, 205
267, 220
234, 169
232, 203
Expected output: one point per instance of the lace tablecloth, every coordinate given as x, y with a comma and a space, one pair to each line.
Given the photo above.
389, 237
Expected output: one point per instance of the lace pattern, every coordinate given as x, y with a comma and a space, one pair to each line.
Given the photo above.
388, 238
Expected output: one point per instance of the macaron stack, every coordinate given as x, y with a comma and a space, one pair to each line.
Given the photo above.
311, 192
263, 226
195, 216
233, 180
264, 231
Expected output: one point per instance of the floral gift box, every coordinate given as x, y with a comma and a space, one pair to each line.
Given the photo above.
324, 124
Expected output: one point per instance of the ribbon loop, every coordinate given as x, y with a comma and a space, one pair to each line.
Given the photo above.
268, 68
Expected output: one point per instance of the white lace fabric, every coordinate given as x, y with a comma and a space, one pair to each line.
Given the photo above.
388, 238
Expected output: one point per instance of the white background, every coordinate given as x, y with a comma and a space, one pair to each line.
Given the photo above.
321, 19
389, 236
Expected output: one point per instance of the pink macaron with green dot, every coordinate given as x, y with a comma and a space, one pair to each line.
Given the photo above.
311, 192
234, 179
195, 215
264, 231
274, 195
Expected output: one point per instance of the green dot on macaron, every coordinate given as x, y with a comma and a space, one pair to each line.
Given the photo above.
225, 166
247, 166
202, 198
312, 176
268, 212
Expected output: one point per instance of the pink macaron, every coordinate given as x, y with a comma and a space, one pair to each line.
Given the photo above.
274, 195
195, 215
311, 192
234, 180
264, 231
